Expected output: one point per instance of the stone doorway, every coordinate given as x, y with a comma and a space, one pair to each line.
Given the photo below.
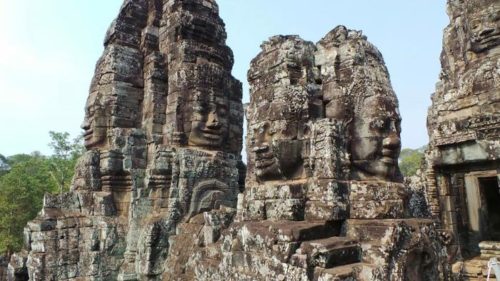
490, 201
483, 204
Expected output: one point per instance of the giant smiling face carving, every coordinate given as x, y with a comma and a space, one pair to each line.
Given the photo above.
376, 140
209, 123
95, 123
276, 150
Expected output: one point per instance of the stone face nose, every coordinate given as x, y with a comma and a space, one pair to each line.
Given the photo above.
85, 124
213, 120
392, 141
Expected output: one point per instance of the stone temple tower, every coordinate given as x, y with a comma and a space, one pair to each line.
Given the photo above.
323, 197
163, 132
463, 159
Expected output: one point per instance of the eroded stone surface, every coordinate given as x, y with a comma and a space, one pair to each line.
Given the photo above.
161, 194
463, 120
465, 105
464, 127
323, 196
163, 130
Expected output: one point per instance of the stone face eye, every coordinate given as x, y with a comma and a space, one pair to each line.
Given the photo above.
475, 25
91, 110
222, 111
378, 124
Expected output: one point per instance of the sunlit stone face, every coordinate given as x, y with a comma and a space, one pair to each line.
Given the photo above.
210, 123
95, 122
376, 141
277, 151
484, 27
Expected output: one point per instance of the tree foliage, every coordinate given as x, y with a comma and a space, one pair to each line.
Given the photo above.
63, 161
410, 160
25, 180
21, 194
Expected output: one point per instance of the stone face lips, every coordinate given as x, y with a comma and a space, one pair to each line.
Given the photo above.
163, 130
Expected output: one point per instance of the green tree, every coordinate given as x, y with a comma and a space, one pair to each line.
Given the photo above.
62, 162
7, 162
410, 160
21, 196
18, 158
25, 180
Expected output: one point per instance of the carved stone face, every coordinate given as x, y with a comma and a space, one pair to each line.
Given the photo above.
209, 126
484, 28
376, 144
95, 122
277, 152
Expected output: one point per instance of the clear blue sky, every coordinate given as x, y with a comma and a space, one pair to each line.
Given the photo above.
49, 49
